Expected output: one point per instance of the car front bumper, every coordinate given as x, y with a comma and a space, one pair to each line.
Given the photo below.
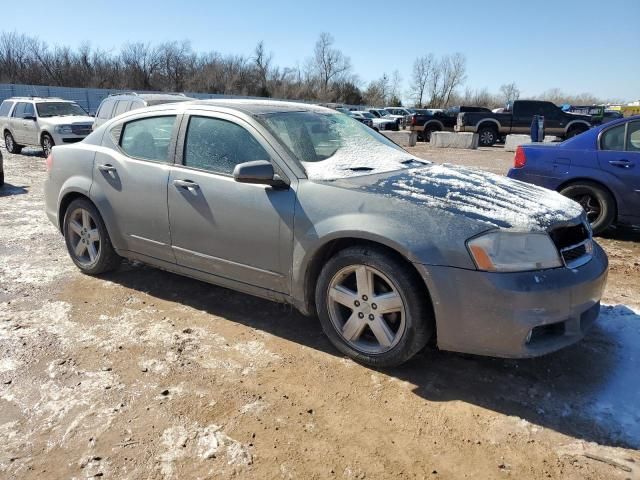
66, 138
490, 313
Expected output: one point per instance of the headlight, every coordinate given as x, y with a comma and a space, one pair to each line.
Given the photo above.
503, 251
64, 129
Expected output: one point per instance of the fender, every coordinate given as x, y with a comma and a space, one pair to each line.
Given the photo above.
576, 122
437, 123
488, 120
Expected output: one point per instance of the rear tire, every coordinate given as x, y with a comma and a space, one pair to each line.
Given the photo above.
427, 134
10, 144
596, 201
382, 334
575, 131
487, 136
87, 239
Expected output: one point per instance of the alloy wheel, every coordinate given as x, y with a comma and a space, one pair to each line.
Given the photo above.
486, 138
84, 236
366, 309
591, 206
8, 142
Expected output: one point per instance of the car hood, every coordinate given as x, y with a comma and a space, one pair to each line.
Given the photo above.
494, 200
67, 120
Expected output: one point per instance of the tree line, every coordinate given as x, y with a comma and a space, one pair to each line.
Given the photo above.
326, 75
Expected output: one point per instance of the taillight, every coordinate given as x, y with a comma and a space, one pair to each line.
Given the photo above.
413, 120
520, 158
49, 162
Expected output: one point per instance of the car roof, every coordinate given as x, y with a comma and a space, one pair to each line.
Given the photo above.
39, 99
250, 107
147, 96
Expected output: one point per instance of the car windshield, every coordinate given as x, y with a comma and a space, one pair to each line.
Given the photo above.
332, 146
59, 109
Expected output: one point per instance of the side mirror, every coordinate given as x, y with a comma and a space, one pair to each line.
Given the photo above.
258, 172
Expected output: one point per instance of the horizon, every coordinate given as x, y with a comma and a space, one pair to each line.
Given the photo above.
380, 40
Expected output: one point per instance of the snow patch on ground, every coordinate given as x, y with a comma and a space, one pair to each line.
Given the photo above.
197, 443
616, 406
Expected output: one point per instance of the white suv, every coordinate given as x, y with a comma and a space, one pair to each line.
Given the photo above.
42, 122
119, 103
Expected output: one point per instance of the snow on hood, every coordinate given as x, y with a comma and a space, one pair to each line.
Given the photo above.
496, 200
67, 120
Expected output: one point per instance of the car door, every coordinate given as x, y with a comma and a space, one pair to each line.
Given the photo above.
619, 155
522, 116
237, 231
554, 119
130, 183
30, 130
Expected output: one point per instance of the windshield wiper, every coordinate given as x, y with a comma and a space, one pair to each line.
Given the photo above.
412, 160
360, 169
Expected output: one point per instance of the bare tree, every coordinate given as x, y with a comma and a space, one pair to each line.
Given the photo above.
329, 62
510, 92
262, 62
422, 73
142, 60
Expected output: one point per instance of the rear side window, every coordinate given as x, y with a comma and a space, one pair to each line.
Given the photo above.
218, 145
148, 138
106, 109
613, 139
5, 108
18, 112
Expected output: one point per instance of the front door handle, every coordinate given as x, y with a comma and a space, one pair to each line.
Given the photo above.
106, 168
621, 163
188, 184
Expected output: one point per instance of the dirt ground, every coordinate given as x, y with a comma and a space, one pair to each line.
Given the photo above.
145, 374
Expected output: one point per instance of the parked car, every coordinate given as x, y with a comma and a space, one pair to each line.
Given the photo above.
301, 204
1, 170
437, 120
491, 126
42, 122
599, 169
377, 124
384, 115
403, 113
118, 103
363, 117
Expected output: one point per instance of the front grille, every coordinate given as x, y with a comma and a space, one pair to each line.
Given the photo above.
72, 140
81, 129
574, 244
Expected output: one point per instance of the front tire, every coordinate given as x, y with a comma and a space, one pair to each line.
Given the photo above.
597, 202
47, 144
10, 144
87, 239
372, 307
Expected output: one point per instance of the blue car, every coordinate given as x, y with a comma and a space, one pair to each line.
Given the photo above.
600, 169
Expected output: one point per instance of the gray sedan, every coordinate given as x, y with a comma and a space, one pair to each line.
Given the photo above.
304, 205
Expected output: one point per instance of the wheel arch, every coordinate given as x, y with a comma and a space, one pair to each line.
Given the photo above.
577, 125
583, 180
432, 123
335, 245
488, 122
66, 200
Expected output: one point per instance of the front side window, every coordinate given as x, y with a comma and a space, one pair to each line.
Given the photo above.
5, 108
148, 138
613, 139
59, 109
633, 137
28, 111
218, 146
331, 146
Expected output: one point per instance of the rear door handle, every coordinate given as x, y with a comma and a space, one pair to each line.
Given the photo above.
107, 168
188, 184
621, 163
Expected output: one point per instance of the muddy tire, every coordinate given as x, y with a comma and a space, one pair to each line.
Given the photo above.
10, 143
597, 202
372, 307
87, 239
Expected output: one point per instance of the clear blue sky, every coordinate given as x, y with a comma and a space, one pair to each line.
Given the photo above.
575, 45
